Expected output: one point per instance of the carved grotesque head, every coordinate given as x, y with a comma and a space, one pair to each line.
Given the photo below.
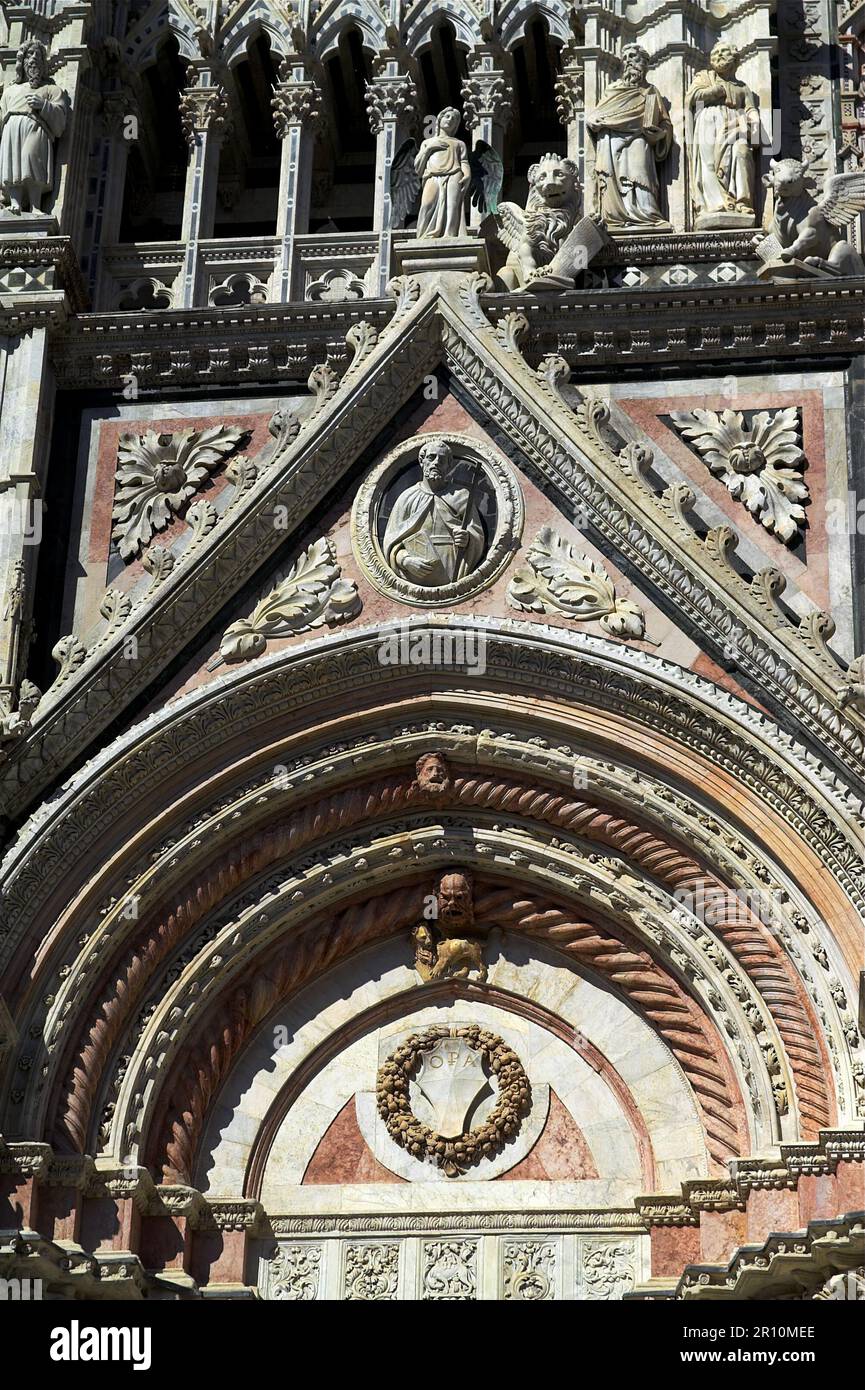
435, 463
553, 183
786, 177
432, 774
635, 64
724, 59
455, 902
746, 457
31, 64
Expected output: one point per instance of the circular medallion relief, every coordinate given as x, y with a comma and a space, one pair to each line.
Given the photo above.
437, 520
452, 1071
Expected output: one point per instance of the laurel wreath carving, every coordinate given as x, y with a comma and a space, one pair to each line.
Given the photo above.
453, 1156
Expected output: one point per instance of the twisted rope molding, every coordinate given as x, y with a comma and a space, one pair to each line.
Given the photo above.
114, 782
692, 1038
748, 939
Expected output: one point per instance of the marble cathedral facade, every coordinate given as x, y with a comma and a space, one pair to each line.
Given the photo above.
433, 708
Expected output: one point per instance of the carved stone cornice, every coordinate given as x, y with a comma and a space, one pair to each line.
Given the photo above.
25, 1159
179, 1201
666, 1211
823, 1262
263, 343
623, 1219
235, 1214
123, 1184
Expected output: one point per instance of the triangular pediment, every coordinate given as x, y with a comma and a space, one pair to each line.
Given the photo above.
592, 466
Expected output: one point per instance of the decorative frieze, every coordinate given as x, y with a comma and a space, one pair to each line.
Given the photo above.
371, 1273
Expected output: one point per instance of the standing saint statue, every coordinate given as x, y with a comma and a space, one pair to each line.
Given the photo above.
442, 164
722, 129
432, 536
33, 114
632, 135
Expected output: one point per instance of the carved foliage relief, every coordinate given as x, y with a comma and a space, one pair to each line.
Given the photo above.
157, 474
759, 463
558, 579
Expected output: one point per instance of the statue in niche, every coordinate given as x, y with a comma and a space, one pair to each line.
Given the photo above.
443, 173
33, 114
722, 131
448, 945
632, 135
434, 536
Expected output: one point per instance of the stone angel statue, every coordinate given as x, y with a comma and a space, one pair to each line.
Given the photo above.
806, 236
437, 177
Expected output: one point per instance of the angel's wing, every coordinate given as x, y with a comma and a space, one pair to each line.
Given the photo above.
512, 224
843, 198
404, 182
488, 174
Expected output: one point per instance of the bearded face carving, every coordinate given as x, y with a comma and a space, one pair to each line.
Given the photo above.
448, 947
455, 903
432, 774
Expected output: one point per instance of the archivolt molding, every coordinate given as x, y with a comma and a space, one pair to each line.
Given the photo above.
792, 665
319, 883
540, 661
220, 992
184, 853
199, 894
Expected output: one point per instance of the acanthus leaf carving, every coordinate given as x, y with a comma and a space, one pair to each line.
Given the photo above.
558, 579
312, 593
760, 464
157, 474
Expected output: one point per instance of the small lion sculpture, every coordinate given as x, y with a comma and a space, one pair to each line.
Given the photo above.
534, 235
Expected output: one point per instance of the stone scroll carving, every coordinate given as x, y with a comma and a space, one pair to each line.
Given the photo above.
312, 593
371, 1273
450, 1270
760, 464
529, 1271
157, 474
451, 1071
558, 579
723, 132
295, 1273
608, 1269
33, 115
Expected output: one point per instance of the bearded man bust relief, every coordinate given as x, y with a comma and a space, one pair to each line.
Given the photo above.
434, 534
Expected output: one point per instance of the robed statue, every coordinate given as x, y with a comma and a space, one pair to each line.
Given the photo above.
632, 135
434, 535
33, 114
437, 177
723, 128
